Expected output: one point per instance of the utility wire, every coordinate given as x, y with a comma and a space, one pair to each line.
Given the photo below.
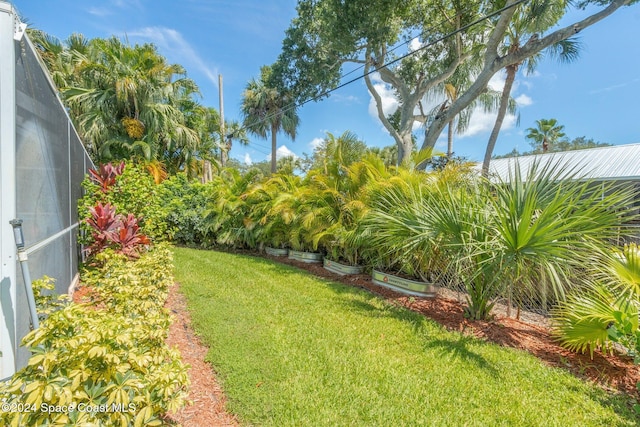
427, 45
398, 46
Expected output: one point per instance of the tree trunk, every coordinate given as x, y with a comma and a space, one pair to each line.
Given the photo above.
274, 133
450, 140
502, 111
494, 63
224, 156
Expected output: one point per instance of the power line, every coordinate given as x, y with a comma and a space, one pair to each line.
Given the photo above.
398, 46
427, 45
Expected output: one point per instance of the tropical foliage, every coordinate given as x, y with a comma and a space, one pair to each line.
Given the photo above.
129, 102
105, 363
103, 359
131, 190
522, 240
546, 133
606, 310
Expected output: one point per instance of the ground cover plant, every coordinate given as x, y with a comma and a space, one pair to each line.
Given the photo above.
104, 361
292, 349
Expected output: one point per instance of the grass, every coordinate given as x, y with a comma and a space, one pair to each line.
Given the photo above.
292, 349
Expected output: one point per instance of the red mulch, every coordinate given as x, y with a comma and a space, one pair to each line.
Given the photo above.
206, 407
206, 402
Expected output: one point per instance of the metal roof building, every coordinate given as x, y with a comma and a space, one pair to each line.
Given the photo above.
612, 163
618, 163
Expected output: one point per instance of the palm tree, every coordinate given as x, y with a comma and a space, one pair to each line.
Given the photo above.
607, 310
388, 154
234, 131
547, 132
334, 154
532, 19
452, 95
266, 110
125, 101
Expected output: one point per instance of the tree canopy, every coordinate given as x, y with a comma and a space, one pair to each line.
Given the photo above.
128, 101
414, 47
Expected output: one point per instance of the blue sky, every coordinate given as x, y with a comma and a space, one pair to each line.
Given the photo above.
595, 96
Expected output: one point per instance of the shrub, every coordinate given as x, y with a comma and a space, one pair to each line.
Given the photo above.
133, 191
105, 364
109, 230
185, 205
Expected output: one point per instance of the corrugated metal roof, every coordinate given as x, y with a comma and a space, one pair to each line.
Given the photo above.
618, 162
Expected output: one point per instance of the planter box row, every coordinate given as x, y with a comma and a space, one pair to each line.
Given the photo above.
396, 283
276, 251
342, 269
310, 257
406, 286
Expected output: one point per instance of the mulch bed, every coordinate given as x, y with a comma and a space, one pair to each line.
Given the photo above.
206, 406
613, 372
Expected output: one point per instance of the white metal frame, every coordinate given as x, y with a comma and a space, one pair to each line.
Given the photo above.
9, 26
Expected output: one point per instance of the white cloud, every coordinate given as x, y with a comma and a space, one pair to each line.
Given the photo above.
126, 4
389, 101
415, 44
171, 43
282, 152
315, 143
115, 4
345, 99
524, 100
497, 81
247, 159
483, 122
99, 11
612, 87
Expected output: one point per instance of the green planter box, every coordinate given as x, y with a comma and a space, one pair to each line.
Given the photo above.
406, 286
305, 256
342, 269
276, 251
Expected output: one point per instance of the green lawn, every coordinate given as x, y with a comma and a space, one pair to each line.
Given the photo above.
292, 349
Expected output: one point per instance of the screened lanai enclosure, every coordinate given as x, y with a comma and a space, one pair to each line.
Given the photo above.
42, 163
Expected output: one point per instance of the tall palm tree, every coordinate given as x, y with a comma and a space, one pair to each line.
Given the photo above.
547, 132
126, 101
266, 110
452, 95
530, 20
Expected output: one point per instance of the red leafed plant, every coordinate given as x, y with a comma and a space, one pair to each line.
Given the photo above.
104, 223
106, 175
128, 239
111, 230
